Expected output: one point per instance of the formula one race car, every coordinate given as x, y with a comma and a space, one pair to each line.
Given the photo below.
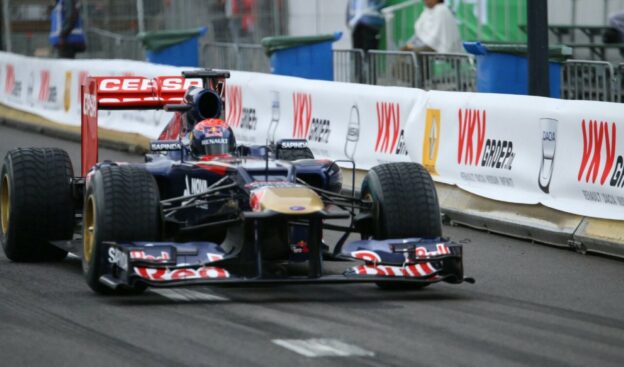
203, 210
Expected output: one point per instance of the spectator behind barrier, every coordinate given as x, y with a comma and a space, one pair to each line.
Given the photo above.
435, 30
615, 34
365, 20
66, 32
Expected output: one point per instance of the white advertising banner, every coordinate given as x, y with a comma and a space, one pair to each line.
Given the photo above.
489, 149
339, 120
567, 155
51, 88
521, 149
588, 161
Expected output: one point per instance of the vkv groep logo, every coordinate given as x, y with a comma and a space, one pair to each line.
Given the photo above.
302, 115
304, 125
234, 105
12, 87
47, 93
474, 149
599, 163
390, 138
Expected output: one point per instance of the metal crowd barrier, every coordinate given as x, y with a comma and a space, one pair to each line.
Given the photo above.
109, 45
588, 80
219, 55
245, 57
580, 79
618, 95
31, 43
252, 58
349, 66
450, 72
393, 68
428, 70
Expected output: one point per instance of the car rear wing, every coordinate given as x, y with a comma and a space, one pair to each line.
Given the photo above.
135, 93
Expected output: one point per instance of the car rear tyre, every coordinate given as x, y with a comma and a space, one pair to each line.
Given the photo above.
404, 204
122, 204
36, 204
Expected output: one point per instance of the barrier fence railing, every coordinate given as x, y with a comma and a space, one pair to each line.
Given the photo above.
252, 58
580, 79
427, 70
449, 72
31, 44
244, 57
619, 85
589, 80
220, 55
393, 68
350, 66
109, 45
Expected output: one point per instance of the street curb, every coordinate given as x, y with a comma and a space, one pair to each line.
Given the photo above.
533, 222
600, 236
129, 142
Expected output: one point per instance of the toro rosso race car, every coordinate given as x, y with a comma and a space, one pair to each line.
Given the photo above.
204, 210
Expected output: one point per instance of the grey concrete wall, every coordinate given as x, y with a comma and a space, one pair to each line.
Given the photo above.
587, 11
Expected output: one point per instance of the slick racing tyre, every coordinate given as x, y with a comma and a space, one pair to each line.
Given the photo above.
122, 203
404, 204
36, 203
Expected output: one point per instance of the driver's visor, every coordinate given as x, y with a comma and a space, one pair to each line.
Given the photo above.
214, 146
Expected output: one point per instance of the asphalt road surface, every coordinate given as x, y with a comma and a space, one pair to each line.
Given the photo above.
532, 305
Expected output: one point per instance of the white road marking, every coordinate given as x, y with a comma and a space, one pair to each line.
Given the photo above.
71, 255
188, 295
323, 348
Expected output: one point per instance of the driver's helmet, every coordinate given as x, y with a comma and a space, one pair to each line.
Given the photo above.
212, 137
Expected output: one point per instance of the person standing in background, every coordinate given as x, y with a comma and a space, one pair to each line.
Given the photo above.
435, 30
66, 32
615, 34
365, 20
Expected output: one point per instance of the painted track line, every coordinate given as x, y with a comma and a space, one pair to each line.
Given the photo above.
323, 348
186, 295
